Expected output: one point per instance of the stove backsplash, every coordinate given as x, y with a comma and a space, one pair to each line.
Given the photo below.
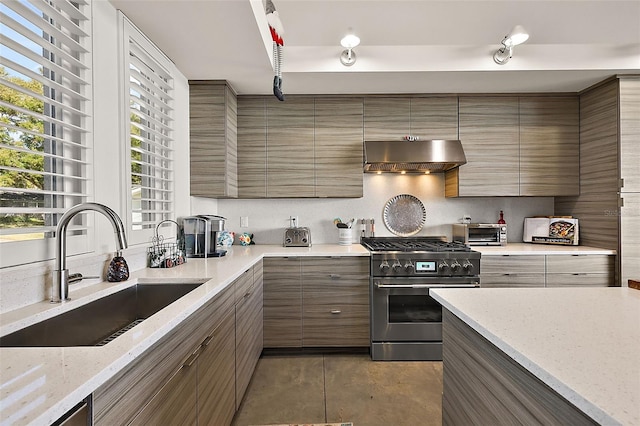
269, 217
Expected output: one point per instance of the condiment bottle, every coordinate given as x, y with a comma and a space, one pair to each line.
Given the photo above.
501, 220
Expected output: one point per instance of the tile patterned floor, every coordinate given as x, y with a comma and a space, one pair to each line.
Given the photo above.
336, 388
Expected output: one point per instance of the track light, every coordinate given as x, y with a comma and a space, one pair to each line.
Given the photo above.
517, 36
348, 56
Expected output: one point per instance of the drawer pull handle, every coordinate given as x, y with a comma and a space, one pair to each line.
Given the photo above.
208, 340
192, 358
336, 311
334, 276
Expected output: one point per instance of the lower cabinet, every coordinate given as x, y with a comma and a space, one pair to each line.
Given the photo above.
249, 324
316, 302
583, 270
198, 373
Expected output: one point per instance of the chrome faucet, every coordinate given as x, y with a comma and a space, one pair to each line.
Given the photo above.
60, 289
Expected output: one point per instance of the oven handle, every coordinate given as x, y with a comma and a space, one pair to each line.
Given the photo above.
472, 285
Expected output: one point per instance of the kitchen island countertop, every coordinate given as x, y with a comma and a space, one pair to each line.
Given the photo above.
39, 384
582, 342
521, 249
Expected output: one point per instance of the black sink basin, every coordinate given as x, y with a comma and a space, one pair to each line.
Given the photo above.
100, 321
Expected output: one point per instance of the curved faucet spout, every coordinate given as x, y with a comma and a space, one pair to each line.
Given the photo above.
60, 290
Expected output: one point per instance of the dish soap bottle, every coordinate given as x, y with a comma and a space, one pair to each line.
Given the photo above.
501, 220
118, 269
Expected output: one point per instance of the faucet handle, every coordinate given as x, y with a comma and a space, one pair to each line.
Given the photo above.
74, 278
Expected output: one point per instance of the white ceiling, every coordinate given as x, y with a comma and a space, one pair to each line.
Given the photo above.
427, 46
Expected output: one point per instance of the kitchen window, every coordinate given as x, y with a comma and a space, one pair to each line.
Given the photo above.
45, 110
148, 91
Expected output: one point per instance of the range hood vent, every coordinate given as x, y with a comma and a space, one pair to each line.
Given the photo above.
428, 156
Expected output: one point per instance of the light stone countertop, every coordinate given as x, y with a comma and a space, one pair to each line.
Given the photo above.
520, 249
39, 385
583, 342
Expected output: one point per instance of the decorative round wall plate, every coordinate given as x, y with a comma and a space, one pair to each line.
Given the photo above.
404, 215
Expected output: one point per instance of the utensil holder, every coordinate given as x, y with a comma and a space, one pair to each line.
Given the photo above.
345, 236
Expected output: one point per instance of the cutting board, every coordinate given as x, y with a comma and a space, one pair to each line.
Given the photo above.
634, 284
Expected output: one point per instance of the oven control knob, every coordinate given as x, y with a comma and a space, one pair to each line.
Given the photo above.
455, 266
443, 266
468, 267
396, 265
409, 266
384, 266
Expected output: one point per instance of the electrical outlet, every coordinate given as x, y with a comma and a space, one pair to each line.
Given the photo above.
294, 221
244, 221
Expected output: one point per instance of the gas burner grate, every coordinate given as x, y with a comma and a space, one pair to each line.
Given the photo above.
425, 244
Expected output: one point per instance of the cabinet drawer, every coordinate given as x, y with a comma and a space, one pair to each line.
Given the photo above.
336, 325
579, 280
580, 264
331, 268
338, 291
511, 280
512, 264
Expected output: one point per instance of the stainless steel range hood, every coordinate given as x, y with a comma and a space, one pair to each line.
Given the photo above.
428, 156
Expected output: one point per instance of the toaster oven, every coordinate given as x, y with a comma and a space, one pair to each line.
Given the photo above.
480, 234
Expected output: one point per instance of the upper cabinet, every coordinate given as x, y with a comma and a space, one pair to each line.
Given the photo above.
290, 157
517, 146
549, 146
213, 139
391, 118
303, 147
338, 147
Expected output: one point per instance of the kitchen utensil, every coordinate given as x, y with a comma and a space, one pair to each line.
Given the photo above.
342, 225
404, 215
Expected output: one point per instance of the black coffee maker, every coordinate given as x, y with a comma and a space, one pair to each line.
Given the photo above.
201, 235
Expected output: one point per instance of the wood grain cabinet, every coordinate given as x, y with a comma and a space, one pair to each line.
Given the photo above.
316, 301
168, 382
428, 117
512, 271
249, 324
252, 147
580, 270
290, 147
335, 300
338, 147
517, 146
213, 139
282, 302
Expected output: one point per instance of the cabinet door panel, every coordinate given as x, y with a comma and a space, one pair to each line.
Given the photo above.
490, 138
216, 374
282, 303
290, 148
338, 147
434, 117
512, 280
175, 404
213, 140
248, 338
579, 280
630, 133
386, 118
549, 146
252, 147
580, 264
344, 324
527, 264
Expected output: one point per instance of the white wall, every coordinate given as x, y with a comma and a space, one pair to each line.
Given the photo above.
268, 218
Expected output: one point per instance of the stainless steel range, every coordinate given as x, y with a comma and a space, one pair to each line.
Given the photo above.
406, 323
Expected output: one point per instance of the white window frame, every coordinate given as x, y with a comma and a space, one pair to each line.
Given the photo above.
23, 252
162, 67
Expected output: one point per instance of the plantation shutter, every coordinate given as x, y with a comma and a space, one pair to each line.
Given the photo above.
150, 87
45, 109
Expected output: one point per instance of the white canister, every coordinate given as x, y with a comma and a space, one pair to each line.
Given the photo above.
345, 236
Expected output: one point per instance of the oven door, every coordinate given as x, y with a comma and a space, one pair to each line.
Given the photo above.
403, 311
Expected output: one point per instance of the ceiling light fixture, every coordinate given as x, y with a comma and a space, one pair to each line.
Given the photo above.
518, 35
348, 56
